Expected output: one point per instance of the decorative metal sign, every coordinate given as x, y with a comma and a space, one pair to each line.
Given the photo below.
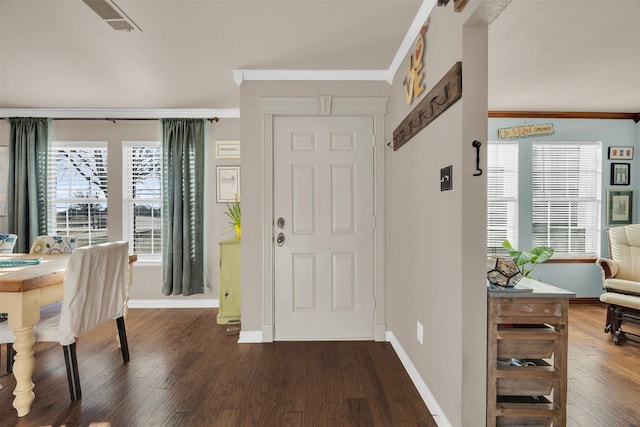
413, 82
443, 95
525, 130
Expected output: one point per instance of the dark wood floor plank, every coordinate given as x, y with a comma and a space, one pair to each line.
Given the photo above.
360, 412
315, 411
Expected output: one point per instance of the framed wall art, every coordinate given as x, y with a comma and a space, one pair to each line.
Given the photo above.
227, 149
619, 207
620, 153
227, 183
620, 173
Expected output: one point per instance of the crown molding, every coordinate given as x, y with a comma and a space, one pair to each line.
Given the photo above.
241, 75
565, 115
121, 113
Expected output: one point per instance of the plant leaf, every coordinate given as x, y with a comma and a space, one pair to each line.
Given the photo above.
541, 254
507, 245
520, 257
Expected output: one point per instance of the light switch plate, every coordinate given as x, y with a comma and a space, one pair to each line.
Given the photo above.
446, 178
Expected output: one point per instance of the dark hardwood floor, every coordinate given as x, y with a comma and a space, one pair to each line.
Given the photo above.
603, 379
184, 371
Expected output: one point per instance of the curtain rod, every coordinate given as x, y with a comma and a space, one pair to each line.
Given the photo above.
210, 120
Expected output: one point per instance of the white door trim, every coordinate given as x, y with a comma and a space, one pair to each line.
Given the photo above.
323, 105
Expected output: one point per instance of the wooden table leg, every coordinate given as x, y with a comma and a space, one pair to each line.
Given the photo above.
24, 312
23, 366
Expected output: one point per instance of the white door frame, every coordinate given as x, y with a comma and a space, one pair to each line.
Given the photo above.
325, 105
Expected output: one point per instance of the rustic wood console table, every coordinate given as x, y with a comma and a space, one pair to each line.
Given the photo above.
527, 355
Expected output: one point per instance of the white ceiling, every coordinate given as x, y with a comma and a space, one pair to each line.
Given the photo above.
566, 55
544, 55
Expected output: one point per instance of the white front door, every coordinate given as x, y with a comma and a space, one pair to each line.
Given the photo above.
323, 191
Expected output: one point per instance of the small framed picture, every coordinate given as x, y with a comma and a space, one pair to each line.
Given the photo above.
619, 207
620, 173
227, 149
620, 153
228, 183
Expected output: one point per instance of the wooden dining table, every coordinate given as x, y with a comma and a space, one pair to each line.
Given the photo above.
23, 290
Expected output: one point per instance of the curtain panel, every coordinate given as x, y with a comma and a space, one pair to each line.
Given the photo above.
27, 184
183, 207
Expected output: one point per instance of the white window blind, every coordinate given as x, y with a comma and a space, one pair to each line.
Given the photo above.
566, 197
502, 195
142, 193
78, 191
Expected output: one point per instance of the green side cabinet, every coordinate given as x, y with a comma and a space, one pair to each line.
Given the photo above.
229, 281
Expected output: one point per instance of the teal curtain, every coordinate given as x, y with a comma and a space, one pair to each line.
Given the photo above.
182, 193
27, 184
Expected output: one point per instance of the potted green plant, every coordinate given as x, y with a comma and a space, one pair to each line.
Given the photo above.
523, 259
235, 214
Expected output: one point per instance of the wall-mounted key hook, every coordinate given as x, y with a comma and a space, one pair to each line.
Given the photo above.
476, 144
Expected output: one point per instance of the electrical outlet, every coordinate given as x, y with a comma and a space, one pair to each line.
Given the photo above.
419, 332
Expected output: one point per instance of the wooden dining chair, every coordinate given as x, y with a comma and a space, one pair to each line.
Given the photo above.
95, 287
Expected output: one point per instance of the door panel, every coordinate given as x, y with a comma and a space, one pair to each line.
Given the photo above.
323, 188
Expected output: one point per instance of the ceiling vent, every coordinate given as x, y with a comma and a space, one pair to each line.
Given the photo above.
112, 15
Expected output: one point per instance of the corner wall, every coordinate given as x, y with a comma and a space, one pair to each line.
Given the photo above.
436, 240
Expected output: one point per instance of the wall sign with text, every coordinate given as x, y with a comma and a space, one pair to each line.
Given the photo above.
525, 130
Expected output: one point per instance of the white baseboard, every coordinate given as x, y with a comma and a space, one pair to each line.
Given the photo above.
250, 337
428, 398
173, 303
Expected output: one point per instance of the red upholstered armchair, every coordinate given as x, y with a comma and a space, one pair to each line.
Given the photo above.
621, 281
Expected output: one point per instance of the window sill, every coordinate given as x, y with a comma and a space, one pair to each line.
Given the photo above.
572, 260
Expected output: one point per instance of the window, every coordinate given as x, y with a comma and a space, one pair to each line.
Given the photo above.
142, 194
78, 191
566, 197
502, 195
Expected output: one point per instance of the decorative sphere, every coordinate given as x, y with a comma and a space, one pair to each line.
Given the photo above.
503, 271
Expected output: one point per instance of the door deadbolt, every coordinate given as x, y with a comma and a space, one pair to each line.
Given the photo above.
280, 239
280, 222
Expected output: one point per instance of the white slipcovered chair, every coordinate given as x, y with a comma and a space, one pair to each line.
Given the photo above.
53, 245
621, 280
95, 287
7, 242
